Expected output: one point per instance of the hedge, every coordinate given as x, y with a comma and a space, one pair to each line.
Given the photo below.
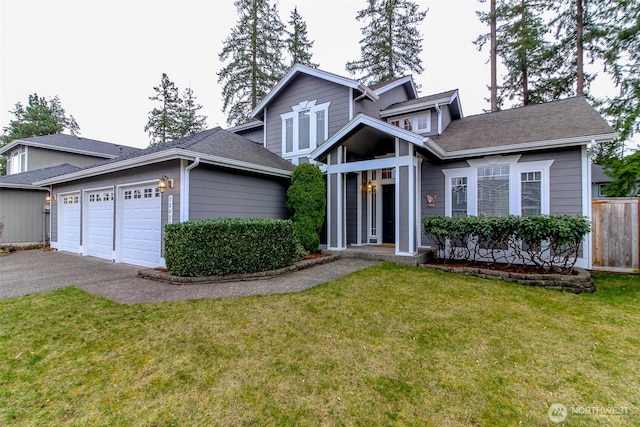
229, 246
547, 242
307, 201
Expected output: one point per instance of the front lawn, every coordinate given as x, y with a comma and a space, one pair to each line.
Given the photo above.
389, 345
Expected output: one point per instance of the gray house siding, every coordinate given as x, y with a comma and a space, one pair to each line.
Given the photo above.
216, 193
38, 158
446, 118
306, 88
255, 134
566, 179
131, 176
367, 107
23, 215
392, 96
352, 207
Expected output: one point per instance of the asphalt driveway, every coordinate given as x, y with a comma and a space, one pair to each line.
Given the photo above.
34, 271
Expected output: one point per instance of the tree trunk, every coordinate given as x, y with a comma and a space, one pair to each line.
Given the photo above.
254, 56
493, 59
579, 48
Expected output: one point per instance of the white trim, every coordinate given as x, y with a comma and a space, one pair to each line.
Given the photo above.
401, 81
396, 190
419, 106
359, 209
329, 197
587, 258
249, 125
185, 187
412, 201
314, 72
419, 161
388, 162
293, 115
264, 130
161, 156
340, 208
351, 103
515, 169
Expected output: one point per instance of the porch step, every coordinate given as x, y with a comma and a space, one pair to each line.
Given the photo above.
377, 253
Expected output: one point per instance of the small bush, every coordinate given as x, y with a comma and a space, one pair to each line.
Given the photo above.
229, 246
548, 242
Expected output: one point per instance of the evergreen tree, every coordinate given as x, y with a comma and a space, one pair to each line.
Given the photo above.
626, 176
392, 42
164, 122
190, 121
39, 117
253, 56
298, 45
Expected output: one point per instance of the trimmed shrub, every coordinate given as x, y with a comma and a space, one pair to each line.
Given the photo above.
307, 202
229, 246
548, 242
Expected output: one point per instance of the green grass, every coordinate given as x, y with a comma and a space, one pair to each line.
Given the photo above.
389, 345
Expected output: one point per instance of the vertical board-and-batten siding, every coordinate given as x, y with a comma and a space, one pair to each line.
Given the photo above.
136, 175
22, 212
39, 158
216, 193
306, 88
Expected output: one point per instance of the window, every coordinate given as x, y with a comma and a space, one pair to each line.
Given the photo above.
127, 195
601, 192
148, 193
423, 123
395, 123
498, 186
387, 173
17, 161
459, 196
493, 191
137, 194
407, 125
531, 193
304, 128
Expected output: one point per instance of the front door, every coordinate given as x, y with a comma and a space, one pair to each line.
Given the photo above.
389, 213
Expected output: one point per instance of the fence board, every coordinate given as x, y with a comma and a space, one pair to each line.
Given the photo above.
615, 233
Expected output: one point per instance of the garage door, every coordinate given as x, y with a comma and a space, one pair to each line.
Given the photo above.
140, 226
69, 223
98, 237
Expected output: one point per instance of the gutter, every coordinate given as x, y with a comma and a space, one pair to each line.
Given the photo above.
184, 190
439, 110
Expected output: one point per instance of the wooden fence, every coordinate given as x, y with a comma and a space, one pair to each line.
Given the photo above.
615, 233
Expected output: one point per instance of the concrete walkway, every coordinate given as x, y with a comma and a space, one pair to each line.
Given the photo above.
34, 271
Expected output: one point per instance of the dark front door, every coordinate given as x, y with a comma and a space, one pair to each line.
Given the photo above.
389, 213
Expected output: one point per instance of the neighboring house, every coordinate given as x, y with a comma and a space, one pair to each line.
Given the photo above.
115, 209
598, 181
22, 205
390, 157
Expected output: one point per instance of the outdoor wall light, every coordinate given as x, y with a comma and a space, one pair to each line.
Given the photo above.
47, 199
164, 182
369, 186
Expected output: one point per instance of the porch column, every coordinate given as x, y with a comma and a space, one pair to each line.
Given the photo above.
336, 237
406, 197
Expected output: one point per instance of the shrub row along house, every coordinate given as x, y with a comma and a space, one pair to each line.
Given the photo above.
390, 158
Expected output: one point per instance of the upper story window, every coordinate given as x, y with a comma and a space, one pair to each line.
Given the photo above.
420, 123
17, 161
304, 128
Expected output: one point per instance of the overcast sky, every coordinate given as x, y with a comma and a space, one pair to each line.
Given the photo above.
102, 58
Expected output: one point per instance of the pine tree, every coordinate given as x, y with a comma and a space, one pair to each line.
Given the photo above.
391, 43
298, 45
164, 122
190, 121
39, 117
253, 53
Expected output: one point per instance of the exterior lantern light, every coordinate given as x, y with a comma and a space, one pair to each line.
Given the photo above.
164, 182
369, 185
47, 198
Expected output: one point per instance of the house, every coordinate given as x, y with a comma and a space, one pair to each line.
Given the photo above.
117, 209
598, 181
22, 205
390, 157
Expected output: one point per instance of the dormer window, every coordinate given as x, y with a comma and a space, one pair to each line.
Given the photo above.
304, 128
17, 161
423, 123
418, 124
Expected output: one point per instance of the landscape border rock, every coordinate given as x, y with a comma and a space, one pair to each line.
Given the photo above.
576, 283
163, 276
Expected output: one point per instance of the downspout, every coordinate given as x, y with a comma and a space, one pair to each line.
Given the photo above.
184, 205
439, 110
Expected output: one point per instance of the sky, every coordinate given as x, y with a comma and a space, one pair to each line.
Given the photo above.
103, 58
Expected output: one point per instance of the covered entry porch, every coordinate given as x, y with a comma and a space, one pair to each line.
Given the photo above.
373, 186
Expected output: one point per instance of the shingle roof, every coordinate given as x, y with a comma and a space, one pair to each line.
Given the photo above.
598, 175
558, 120
384, 83
72, 143
215, 142
28, 178
423, 99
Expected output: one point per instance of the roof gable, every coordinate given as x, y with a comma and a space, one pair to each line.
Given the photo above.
303, 69
450, 97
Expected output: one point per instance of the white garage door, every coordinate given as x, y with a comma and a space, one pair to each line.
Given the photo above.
140, 226
98, 237
69, 222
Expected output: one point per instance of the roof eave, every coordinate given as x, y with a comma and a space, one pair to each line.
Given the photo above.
21, 186
529, 146
399, 82
417, 107
17, 142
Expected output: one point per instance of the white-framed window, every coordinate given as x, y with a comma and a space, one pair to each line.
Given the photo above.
407, 124
394, 123
17, 161
423, 123
497, 186
601, 190
304, 128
